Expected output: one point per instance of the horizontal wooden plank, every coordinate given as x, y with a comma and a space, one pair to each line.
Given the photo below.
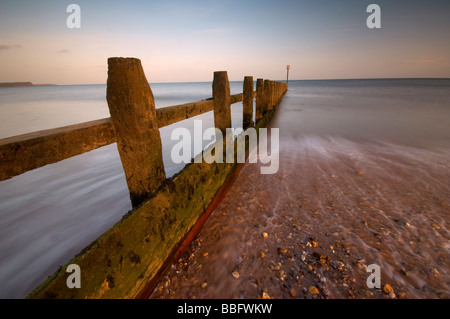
236, 98
25, 152
172, 114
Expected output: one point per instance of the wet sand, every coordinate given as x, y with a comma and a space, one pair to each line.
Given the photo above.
309, 231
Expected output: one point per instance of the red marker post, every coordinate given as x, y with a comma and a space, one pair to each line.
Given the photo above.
287, 76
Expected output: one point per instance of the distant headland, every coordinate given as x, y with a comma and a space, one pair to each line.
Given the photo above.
18, 84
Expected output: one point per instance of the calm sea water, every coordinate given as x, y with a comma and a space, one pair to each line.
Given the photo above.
49, 214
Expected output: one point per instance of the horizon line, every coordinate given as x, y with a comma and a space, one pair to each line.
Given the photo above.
172, 82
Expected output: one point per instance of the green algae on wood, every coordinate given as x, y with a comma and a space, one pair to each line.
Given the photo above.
131, 252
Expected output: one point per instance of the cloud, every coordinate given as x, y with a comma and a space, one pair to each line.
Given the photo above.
7, 46
423, 60
63, 51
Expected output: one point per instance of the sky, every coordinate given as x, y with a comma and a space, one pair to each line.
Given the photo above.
186, 40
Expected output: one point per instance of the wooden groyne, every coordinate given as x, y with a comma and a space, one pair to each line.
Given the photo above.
126, 260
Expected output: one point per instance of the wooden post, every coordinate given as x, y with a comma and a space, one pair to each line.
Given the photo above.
221, 96
247, 119
132, 108
268, 93
276, 95
288, 67
259, 99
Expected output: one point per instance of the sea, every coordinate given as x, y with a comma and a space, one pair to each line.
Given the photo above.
49, 214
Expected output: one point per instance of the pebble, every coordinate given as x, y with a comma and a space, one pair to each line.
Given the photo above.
235, 274
275, 266
337, 265
265, 295
387, 289
292, 293
316, 255
261, 254
167, 283
313, 290
282, 251
265, 235
204, 285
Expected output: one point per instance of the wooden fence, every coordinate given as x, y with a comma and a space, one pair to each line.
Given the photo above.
125, 261
134, 125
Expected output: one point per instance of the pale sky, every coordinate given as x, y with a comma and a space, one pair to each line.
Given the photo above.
183, 40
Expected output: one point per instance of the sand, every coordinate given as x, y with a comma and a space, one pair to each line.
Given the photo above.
311, 230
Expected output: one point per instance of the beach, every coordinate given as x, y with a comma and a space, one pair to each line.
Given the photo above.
321, 224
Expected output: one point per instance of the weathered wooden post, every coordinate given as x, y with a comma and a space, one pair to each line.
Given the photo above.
268, 93
132, 108
260, 108
247, 119
279, 91
275, 93
221, 96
